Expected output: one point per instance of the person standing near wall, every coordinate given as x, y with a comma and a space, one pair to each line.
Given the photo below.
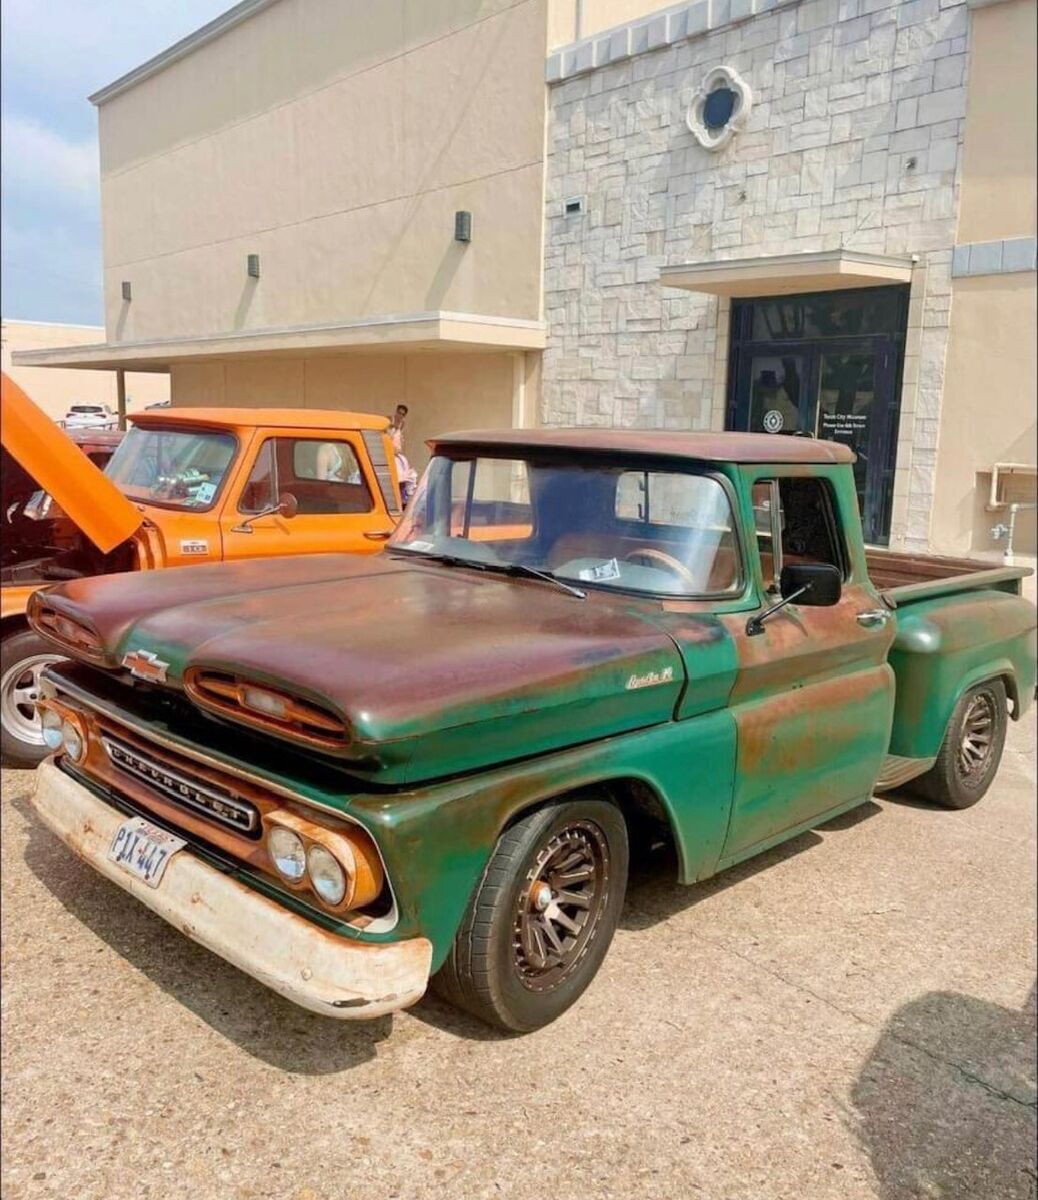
406, 474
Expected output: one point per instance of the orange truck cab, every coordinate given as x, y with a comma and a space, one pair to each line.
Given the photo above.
185, 486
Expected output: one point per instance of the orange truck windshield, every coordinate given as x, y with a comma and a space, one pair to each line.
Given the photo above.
172, 468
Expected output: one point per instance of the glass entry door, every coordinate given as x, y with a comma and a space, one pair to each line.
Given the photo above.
848, 381
833, 371
778, 384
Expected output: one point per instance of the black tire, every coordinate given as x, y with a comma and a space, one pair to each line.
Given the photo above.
972, 748
489, 971
21, 653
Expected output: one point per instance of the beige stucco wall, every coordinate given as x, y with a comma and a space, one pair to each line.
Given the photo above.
336, 139
570, 20
999, 195
989, 408
54, 389
443, 391
990, 390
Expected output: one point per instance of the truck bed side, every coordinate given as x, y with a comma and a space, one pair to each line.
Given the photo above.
903, 577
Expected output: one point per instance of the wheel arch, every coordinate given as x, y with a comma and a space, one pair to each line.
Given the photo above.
641, 803
13, 623
1009, 681
1003, 672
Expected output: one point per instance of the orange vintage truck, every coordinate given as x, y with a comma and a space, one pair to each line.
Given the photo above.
184, 486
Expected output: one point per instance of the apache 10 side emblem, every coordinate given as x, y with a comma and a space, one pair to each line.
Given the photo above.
651, 679
145, 665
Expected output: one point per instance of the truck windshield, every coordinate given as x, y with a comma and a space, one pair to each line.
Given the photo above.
172, 467
630, 527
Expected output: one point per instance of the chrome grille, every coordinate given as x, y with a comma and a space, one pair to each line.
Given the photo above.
208, 799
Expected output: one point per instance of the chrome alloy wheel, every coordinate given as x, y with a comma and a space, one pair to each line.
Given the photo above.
19, 691
978, 729
560, 905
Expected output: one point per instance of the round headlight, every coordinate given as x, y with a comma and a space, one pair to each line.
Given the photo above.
72, 741
327, 877
50, 728
287, 852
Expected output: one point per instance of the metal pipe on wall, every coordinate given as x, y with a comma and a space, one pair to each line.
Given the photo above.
120, 396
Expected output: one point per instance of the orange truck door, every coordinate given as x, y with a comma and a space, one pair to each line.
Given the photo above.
326, 478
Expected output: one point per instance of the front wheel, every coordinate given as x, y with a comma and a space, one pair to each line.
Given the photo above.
971, 750
23, 657
542, 917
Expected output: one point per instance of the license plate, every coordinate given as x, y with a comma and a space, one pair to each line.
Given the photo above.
142, 849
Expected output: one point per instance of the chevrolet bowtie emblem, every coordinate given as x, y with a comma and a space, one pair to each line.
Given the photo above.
145, 665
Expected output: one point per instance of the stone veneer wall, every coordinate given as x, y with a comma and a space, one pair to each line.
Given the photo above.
854, 141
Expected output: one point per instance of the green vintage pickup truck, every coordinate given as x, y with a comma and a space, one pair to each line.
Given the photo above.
350, 775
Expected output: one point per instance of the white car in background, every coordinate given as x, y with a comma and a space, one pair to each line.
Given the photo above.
90, 416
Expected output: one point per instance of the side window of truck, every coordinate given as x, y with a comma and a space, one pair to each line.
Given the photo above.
795, 521
324, 476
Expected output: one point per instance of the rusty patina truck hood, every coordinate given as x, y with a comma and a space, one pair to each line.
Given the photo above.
435, 669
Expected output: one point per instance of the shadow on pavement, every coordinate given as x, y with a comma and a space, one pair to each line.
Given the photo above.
262, 1023
431, 1010
653, 893
945, 1104
904, 798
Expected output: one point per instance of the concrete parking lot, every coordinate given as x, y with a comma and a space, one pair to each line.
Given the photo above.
851, 1015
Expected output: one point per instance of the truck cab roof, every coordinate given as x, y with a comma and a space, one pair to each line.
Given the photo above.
259, 418
655, 443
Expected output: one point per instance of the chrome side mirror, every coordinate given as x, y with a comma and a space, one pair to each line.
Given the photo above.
287, 507
41, 507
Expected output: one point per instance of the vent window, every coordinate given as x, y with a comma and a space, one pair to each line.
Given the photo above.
375, 442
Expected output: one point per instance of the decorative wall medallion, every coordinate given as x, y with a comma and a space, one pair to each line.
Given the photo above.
720, 108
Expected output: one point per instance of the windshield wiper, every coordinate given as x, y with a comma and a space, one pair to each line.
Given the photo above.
448, 560
547, 576
458, 560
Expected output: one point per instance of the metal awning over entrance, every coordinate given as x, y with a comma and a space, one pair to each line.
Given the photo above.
786, 274
444, 331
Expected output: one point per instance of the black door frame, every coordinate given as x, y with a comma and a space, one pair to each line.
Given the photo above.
888, 346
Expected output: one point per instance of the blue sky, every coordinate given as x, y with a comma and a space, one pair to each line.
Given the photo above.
54, 54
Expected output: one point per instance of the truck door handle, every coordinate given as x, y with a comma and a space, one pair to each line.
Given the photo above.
378, 535
873, 617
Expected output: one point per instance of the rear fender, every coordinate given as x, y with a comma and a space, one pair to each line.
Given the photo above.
944, 648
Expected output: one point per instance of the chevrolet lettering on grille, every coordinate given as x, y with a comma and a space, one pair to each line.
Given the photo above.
210, 801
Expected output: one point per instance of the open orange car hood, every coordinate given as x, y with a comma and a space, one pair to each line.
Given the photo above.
88, 498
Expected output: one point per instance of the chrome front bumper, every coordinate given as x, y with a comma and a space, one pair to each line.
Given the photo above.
311, 966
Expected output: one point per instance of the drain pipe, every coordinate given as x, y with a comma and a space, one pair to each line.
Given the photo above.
998, 472
1002, 530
